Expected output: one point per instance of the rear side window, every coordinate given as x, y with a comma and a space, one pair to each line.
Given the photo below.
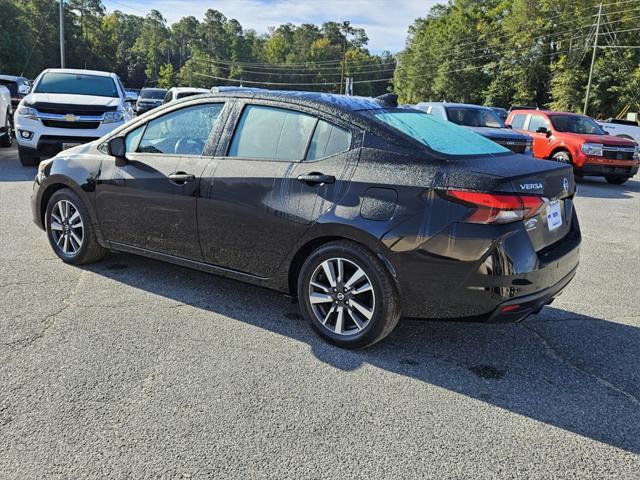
272, 133
439, 135
536, 122
328, 140
518, 121
181, 132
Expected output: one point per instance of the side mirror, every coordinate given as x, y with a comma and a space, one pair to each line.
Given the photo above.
542, 130
605, 132
507, 125
118, 148
131, 97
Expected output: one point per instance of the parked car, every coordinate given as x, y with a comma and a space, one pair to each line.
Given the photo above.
68, 107
6, 127
18, 87
482, 120
501, 112
622, 128
362, 210
578, 141
176, 93
149, 99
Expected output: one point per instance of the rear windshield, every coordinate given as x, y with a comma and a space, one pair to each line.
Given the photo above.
11, 85
576, 124
439, 135
155, 94
77, 84
474, 117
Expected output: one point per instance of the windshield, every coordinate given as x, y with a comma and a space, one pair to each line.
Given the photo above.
439, 135
77, 84
474, 117
576, 124
154, 94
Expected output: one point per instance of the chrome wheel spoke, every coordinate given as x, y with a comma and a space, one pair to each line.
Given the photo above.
324, 288
362, 309
320, 298
326, 317
355, 319
339, 320
65, 247
55, 225
75, 219
56, 217
327, 266
362, 289
340, 271
60, 239
76, 239
355, 278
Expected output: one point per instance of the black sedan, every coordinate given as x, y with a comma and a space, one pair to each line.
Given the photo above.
362, 210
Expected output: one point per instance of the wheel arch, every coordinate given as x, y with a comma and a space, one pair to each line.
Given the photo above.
58, 182
561, 148
327, 233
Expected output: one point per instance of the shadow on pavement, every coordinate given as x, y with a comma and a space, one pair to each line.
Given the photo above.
571, 371
596, 187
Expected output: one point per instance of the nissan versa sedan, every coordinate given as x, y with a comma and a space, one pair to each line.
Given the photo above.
363, 211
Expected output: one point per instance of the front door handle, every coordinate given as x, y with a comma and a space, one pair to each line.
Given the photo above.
315, 178
180, 178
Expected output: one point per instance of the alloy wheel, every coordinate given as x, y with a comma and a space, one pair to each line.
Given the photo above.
67, 227
341, 296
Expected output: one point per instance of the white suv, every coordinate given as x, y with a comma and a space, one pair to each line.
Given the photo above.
66, 108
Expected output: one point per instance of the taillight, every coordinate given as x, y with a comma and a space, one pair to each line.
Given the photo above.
497, 207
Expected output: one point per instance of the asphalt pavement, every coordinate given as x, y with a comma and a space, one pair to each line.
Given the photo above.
131, 368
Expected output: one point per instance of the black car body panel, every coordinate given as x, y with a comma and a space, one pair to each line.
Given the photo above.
253, 220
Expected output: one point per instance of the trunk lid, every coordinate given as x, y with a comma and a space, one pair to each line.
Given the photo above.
523, 175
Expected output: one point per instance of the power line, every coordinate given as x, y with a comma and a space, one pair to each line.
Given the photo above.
312, 84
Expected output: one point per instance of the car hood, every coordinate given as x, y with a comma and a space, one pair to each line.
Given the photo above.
502, 133
604, 139
67, 99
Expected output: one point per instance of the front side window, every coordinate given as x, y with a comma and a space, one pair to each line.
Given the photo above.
536, 122
474, 117
576, 124
439, 135
77, 84
272, 133
328, 140
518, 120
181, 132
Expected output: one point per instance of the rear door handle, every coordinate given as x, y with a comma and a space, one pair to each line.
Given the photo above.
315, 178
180, 178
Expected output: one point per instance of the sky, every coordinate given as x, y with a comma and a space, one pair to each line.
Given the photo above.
385, 21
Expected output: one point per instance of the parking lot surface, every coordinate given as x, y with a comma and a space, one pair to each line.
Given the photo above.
131, 368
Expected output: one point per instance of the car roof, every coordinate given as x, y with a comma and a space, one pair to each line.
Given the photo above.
546, 112
154, 89
12, 78
327, 102
189, 89
448, 104
79, 71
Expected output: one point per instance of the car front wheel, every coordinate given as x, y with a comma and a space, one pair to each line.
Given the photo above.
348, 295
562, 157
69, 229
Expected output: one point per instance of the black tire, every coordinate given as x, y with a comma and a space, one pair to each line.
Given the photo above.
616, 180
6, 140
90, 250
383, 298
28, 159
563, 157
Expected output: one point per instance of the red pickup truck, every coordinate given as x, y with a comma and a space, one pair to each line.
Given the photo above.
577, 140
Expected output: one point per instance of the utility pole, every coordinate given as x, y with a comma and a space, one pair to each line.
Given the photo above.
61, 33
593, 61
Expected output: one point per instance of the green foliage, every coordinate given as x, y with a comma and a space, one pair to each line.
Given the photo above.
524, 52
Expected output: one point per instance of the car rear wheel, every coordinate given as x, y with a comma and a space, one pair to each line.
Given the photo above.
616, 180
7, 139
562, 157
28, 159
348, 295
69, 229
